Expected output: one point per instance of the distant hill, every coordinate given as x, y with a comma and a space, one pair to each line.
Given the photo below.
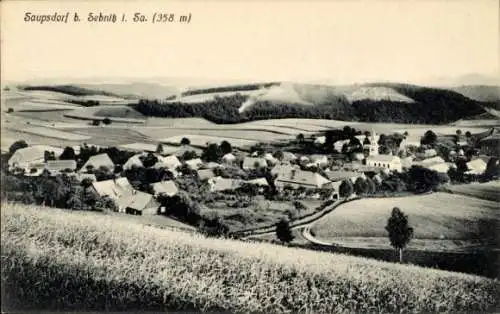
374, 102
136, 89
72, 90
490, 93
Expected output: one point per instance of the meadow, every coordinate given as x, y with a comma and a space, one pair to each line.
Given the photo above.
438, 219
61, 260
487, 191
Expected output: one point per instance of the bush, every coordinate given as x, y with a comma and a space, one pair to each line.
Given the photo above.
106, 121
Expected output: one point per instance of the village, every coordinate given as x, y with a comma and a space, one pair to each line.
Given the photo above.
290, 179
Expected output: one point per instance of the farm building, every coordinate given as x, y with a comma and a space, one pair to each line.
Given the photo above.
254, 163
211, 165
220, 184
168, 162
165, 187
138, 203
430, 161
194, 163
434, 163
59, 166
428, 153
140, 147
114, 188
23, 157
318, 160
228, 158
133, 161
288, 157
205, 174
258, 181
35, 169
476, 166
284, 169
97, 161
299, 178
389, 162
339, 144
335, 176
82, 176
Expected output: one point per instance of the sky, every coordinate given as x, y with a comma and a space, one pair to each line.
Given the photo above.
334, 41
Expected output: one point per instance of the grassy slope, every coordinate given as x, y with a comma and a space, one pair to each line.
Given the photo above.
486, 191
453, 216
54, 259
479, 92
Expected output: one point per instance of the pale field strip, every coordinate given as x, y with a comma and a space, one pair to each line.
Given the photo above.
488, 191
51, 132
202, 140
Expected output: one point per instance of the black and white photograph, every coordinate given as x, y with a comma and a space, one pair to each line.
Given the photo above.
279, 156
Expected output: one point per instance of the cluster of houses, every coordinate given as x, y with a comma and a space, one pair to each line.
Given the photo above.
289, 170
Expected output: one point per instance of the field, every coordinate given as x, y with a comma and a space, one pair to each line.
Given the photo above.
487, 191
52, 133
440, 221
202, 140
61, 260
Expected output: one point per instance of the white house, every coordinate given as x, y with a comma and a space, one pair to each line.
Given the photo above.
389, 162
228, 158
169, 162
23, 157
97, 161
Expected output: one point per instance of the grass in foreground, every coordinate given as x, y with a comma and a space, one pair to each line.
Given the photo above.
54, 259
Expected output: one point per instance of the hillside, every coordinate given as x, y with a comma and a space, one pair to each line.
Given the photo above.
377, 102
61, 260
488, 93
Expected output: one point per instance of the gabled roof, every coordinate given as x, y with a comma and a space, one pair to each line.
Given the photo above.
137, 200
284, 169
251, 162
113, 188
33, 154
288, 156
341, 175
439, 167
258, 181
99, 160
82, 176
477, 165
305, 178
165, 187
224, 184
169, 162
194, 163
433, 160
383, 158
205, 174
59, 165
211, 165
229, 157
179, 150
133, 161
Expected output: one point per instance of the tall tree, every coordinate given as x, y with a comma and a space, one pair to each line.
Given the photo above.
17, 145
283, 231
346, 189
360, 186
400, 233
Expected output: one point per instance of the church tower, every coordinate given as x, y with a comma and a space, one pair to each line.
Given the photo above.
373, 144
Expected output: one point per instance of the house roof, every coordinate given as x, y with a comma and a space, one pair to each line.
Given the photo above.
318, 158
477, 165
211, 165
165, 187
33, 153
82, 176
284, 169
99, 160
305, 178
205, 174
250, 162
431, 161
224, 184
288, 156
229, 157
137, 200
147, 147
439, 167
194, 163
59, 165
383, 158
179, 150
169, 162
113, 188
258, 181
341, 175
133, 161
